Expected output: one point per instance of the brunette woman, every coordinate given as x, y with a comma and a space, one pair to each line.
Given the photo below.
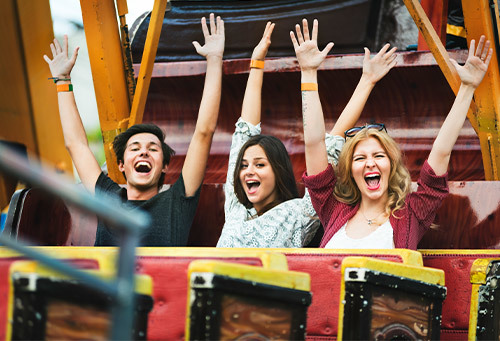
263, 207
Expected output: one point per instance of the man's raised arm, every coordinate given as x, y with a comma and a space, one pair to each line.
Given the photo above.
75, 138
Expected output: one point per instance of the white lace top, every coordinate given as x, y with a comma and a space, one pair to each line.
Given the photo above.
381, 238
289, 224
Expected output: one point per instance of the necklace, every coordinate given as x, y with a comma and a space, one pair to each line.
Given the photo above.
370, 221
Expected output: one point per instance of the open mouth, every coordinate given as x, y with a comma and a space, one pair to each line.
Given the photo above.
372, 181
142, 167
252, 186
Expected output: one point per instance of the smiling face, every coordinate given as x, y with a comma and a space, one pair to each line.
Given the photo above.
257, 177
371, 168
143, 162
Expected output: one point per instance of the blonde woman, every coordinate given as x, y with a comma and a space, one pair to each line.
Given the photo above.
366, 202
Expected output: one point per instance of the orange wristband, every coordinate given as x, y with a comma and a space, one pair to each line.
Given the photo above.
257, 64
309, 86
64, 87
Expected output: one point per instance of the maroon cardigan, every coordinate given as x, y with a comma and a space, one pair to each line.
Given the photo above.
413, 220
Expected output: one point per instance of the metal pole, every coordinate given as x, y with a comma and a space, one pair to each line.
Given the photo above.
123, 309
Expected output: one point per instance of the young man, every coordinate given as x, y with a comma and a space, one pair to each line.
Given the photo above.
141, 152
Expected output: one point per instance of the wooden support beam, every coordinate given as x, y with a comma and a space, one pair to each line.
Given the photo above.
106, 61
438, 51
480, 18
147, 63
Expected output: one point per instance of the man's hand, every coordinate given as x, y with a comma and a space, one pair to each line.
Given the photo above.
60, 65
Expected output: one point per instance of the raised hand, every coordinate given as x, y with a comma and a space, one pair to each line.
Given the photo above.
60, 65
214, 39
472, 73
374, 69
306, 47
260, 51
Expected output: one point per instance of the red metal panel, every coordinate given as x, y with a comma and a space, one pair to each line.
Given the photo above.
5, 264
437, 11
456, 306
468, 218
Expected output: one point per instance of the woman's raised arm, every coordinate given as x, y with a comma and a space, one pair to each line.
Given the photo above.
310, 58
471, 74
251, 108
374, 69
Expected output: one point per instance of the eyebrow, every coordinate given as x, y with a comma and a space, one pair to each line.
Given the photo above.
138, 143
256, 158
363, 154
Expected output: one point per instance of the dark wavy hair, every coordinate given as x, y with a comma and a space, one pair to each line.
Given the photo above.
120, 143
276, 153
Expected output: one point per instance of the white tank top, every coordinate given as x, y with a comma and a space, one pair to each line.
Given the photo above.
381, 238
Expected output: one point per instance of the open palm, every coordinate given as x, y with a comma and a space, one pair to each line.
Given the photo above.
472, 73
60, 65
306, 47
377, 67
214, 39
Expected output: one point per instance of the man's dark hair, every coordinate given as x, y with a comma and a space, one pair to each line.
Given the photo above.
286, 187
120, 143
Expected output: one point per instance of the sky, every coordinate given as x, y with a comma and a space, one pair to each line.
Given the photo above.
66, 12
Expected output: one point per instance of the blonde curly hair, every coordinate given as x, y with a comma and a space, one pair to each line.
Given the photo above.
346, 189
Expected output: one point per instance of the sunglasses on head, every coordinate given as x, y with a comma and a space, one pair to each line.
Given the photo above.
353, 131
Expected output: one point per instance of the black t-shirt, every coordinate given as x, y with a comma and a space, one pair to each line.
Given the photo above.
172, 214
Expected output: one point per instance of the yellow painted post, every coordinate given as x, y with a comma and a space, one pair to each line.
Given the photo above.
105, 54
438, 51
479, 18
28, 101
147, 63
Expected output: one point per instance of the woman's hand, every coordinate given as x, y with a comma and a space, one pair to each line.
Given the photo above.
472, 73
374, 69
306, 47
214, 39
60, 65
260, 51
